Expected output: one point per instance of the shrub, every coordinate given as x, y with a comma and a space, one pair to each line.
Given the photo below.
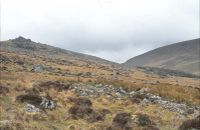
82, 109
144, 120
80, 101
150, 127
3, 89
122, 121
191, 124
84, 112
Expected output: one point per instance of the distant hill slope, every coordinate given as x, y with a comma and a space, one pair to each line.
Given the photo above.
23, 45
182, 56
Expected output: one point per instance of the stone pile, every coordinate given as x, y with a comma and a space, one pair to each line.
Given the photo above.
97, 90
142, 95
170, 105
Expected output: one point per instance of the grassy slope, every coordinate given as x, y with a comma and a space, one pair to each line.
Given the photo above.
183, 56
19, 78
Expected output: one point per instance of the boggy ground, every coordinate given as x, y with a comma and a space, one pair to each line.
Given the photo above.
42, 94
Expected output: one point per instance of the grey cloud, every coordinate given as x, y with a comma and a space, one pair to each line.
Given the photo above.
112, 29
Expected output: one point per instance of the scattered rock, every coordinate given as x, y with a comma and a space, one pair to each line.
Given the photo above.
193, 124
190, 111
166, 72
122, 121
98, 90
140, 96
145, 98
38, 68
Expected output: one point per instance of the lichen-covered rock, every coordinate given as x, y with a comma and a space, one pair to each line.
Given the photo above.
38, 68
47, 104
31, 108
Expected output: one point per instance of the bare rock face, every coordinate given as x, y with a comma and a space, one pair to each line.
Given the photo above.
24, 43
122, 121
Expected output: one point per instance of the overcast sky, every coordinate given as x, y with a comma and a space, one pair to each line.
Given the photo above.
115, 30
